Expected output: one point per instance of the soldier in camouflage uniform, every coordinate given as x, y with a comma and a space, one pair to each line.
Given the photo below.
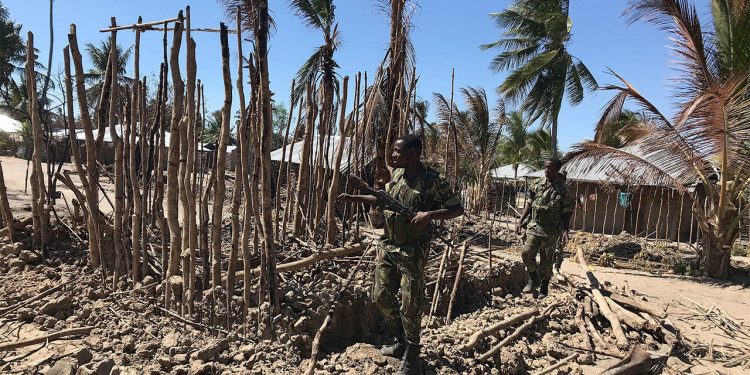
403, 249
550, 204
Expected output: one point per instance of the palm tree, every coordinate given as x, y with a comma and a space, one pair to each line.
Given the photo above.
319, 14
706, 142
212, 131
612, 131
481, 134
519, 145
13, 52
534, 46
99, 56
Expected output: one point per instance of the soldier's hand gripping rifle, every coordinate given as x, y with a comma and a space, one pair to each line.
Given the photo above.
386, 201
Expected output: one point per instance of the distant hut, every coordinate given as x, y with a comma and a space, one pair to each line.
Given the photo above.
507, 182
613, 196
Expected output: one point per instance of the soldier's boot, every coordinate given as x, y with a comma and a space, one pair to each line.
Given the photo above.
544, 289
410, 362
532, 283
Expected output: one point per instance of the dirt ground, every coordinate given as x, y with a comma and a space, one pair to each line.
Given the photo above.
130, 334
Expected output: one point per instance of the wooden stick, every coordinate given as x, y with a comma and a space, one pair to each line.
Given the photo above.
622, 340
310, 260
505, 323
623, 300
456, 281
490, 353
581, 324
557, 365
141, 26
46, 338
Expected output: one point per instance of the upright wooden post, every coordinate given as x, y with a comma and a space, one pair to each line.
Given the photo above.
221, 156
38, 209
334, 188
173, 184
135, 230
119, 162
92, 195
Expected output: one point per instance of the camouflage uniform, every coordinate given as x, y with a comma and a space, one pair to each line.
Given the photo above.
549, 202
402, 252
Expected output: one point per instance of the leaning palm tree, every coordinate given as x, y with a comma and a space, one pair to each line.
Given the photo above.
534, 46
99, 55
706, 143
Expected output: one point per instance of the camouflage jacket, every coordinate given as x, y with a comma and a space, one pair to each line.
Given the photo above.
549, 202
426, 192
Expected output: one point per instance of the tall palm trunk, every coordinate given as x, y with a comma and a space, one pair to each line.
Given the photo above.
335, 180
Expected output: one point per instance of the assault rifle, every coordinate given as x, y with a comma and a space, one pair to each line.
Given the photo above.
386, 201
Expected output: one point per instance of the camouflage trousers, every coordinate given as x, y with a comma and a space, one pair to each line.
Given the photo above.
546, 248
405, 270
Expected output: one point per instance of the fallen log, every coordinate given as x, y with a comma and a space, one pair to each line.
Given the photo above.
629, 318
595, 334
581, 324
307, 261
557, 365
632, 302
46, 338
614, 321
534, 319
507, 322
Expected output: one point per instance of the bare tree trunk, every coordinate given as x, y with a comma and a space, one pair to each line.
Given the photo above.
37, 176
303, 176
281, 163
221, 155
119, 166
333, 190
92, 194
238, 181
135, 227
173, 184
191, 242
264, 155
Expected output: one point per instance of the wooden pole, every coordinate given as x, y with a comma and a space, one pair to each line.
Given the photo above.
679, 222
335, 180
173, 186
658, 216
456, 281
37, 175
119, 162
277, 204
638, 209
596, 204
92, 194
191, 242
137, 216
606, 210
221, 156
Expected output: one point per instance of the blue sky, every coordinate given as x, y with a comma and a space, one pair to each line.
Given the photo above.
446, 34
